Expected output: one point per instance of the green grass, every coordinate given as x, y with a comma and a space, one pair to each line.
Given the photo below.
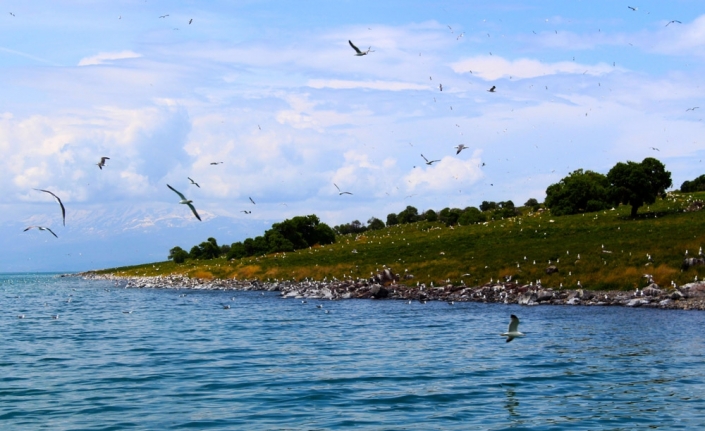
433, 252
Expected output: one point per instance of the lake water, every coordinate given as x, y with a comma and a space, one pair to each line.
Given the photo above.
185, 362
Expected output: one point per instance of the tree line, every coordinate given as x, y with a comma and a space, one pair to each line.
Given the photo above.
289, 235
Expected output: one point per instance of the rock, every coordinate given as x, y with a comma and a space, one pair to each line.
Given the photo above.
692, 261
637, 302
652, 290
379, 292
526, 298
573, 301
665, 302
544, 295
551, 269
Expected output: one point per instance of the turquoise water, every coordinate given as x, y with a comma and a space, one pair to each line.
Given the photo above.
185, 362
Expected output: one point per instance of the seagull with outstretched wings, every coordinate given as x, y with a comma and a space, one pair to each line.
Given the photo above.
185, 202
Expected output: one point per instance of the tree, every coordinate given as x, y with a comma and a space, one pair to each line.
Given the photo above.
487, 206
375, 224
471, 215
392, 219
697, 185
178, 254
580, 191
206, 250
237, 251
637, 184
409, 215
304, 231
449, 216
430, 215
531, 202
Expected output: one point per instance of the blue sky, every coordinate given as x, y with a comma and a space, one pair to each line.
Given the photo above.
273, 90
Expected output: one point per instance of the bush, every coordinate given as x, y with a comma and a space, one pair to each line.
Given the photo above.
178, 255
392, 219
471, 215
430, 215
375, 224
409, 215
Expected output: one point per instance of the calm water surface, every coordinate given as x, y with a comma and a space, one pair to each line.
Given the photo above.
185, 362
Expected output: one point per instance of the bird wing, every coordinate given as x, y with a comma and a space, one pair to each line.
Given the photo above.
336, 186
509, 339
63, 210
193, 209
180, 195
513, 325
253, 202
52, 232
424, 158
103, 159
345, 193
354, 47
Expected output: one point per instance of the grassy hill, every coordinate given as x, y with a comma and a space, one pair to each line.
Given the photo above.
604, 250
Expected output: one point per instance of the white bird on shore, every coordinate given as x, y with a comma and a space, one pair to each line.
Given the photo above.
185, 202
513, 329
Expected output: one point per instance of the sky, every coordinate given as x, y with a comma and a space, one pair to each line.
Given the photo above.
273, 93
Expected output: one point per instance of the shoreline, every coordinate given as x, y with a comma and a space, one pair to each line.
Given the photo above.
385, 285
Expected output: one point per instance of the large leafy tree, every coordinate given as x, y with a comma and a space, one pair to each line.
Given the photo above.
580, 191
637, 184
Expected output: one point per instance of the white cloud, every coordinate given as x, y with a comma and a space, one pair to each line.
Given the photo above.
448, 174
107, 57
493, 67
339, 84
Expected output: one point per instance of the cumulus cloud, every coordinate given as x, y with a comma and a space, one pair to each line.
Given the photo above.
107, 57
493, 67
446, 175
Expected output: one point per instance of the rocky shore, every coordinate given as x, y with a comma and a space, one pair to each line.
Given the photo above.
385, 285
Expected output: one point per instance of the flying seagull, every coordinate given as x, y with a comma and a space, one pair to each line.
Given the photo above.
491, 90
193, 182
340, 193
164, 16
429, 162
673, 21
513, 329
190, 21
41, 228
357, 50
655, 149
185, 202
440, 86
633, 8
692, 109
460, 148
216, 163
246, 212
253, 202
63, 210
102, 162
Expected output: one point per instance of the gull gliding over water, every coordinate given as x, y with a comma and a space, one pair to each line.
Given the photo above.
185, 202
63, 210
513, 329
41, 228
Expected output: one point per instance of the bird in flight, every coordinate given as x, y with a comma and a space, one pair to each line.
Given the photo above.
491, 90
253, 202
340, 193
655, 149
185, 202
692, 109
41, 228
429, 162
673, 21
102, 162
216, 163
190, 21
193, 182
513, 329
460, 148
633, 8
246, 212
63, 210
357, 50
12, 14
440, 86
164, 16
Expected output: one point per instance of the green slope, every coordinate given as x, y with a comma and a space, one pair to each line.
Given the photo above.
435, 253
